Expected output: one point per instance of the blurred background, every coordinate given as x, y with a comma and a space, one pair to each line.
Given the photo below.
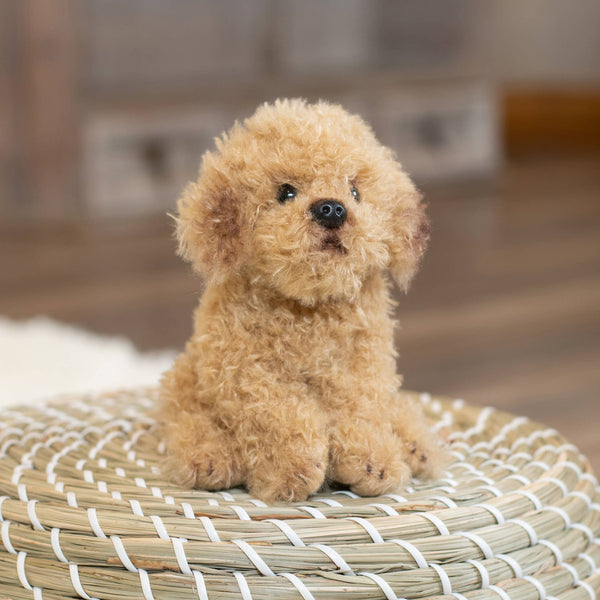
493, 107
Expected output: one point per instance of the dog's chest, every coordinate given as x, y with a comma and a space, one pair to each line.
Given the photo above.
315, 342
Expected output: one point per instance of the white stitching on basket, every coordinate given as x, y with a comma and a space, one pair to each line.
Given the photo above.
21, 556
538, 584
5, 534
388, 510
369, 528
573, 572
22, 492
554, 549
336, 559
500, 592
444, 579
257, 502
122, 553
557, 482
136, 507
485, 548
588, 532
589, 589
299, 585
477, 428
583, 496
571, 465
348, 493
493, 489
200, 585
563, 513
588, 559
243, 585
287, 531
328, 501
182, 561
396, 497
437, 522
512, 563
413, 551
55, 541
314, 512
537, 503
520, 478
145, 583
383, 585
94, 523
528, 529
483, 573
161, 530
261, 566
76, 582
240, 512
494, 511
211, 532
35, 522
448, 502
188, 511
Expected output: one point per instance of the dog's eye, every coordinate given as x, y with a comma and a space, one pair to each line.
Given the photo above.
285, 193
355, 193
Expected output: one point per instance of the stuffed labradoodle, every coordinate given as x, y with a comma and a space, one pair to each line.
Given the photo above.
289, 379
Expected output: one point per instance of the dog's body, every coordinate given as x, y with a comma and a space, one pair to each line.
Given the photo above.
290, 376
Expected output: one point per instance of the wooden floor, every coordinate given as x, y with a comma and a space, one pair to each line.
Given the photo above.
506, 310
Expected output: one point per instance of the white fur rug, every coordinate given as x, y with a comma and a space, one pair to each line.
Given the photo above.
40, 358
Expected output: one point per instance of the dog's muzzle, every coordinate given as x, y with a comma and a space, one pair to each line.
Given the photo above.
330, 214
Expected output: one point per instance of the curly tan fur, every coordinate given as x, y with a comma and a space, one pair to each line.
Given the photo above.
289, 379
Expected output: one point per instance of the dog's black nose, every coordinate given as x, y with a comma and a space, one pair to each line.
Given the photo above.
330, 214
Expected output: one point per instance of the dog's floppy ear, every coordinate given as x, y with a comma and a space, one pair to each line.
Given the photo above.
209, 224
410, 232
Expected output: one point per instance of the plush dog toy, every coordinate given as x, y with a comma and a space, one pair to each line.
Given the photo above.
289, 379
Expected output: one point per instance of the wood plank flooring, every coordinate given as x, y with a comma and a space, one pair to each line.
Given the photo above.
506, 309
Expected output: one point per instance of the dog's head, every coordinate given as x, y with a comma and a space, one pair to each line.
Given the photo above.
304, 199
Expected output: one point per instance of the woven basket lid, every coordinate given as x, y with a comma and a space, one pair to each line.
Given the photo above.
85, 513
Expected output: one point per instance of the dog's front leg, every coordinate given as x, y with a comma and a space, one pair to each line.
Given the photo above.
423, 450
283, 441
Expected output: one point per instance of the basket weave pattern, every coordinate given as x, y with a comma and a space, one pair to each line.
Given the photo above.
85, 513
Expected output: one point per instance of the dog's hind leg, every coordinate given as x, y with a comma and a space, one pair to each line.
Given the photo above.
200, 454
366, 457
422, 449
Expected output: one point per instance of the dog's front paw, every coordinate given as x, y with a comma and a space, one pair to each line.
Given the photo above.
293, 481
372, 467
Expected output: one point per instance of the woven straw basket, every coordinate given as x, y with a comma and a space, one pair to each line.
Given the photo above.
85, 513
